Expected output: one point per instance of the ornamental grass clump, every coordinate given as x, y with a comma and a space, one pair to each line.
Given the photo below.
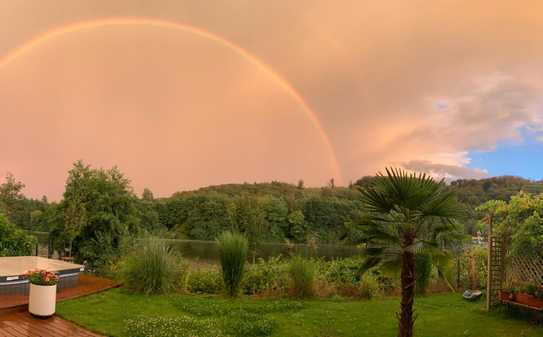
302, 273
233, 249
151, 267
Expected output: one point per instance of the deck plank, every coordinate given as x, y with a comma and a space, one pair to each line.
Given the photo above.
15, 321
87, 285
22, 324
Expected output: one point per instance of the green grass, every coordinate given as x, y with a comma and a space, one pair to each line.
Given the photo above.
443, 315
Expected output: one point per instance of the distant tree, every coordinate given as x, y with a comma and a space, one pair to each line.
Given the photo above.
249, 219
147, 195
13, 240
148, 210
327, 216
12, 201
298, 228
208, 215
276, 215
365, 181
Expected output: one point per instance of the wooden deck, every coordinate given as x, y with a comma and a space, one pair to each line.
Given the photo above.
15, 321
22, 324
87, 285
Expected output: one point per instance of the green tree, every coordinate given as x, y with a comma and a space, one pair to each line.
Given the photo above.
12, 201
147, 195
148, 212
208, 215
249, 219
99, 210
276, 215
406, 210
14, 241
298, 228
518, 221
328, 216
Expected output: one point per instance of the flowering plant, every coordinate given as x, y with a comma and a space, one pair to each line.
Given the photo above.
42, 277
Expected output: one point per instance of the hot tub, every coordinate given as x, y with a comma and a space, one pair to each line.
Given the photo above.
13, 270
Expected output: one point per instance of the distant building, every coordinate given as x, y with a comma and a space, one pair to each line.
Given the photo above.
478, 239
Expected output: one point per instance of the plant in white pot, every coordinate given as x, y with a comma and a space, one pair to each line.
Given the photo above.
43, 293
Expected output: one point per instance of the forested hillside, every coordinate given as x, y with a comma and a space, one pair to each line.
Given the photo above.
102, 201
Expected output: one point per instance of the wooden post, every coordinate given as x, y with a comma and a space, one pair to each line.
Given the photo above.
489, 276
458, 272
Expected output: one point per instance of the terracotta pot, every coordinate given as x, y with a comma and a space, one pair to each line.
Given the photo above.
529, 300
42, 300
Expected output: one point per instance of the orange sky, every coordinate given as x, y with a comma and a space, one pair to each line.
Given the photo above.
412, 83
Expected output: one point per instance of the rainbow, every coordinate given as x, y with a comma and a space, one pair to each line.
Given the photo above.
121, 21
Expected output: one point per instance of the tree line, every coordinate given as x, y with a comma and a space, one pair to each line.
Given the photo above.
99, 208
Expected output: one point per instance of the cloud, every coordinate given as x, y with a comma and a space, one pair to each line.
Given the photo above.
392, 82
443, 171
494, 109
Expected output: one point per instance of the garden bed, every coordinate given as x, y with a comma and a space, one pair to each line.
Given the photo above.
521, 299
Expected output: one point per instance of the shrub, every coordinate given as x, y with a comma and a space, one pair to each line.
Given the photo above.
266, 276
527, 239
183, 326
151, 267
344, 271
369, 286
473, 268
14, 241
233, 253
302, 273
205, 282
423, 265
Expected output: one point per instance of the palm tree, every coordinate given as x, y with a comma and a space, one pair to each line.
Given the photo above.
406, 211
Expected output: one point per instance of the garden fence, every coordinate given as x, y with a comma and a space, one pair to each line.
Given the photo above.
43, 247
525, 269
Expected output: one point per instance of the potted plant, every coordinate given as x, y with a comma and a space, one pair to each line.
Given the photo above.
43, 293
530, 295
508, 294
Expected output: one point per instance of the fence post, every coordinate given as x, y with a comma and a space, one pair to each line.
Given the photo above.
495, 275
490, 274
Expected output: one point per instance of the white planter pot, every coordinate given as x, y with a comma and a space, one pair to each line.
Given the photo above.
42, 300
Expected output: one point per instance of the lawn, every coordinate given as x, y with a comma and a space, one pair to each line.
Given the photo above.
439, 315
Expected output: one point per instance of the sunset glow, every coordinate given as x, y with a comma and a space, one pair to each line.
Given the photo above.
305, 90
82, 28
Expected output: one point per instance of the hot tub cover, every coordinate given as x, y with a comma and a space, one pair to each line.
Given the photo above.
20, 265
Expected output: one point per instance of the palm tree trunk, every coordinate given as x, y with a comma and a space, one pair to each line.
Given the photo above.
408, 281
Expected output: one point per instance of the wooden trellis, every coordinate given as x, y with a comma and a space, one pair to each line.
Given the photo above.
525, 269
516, 270
496, 270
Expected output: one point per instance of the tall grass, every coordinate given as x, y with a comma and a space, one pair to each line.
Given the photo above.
233, 249
302, 273
151, 267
